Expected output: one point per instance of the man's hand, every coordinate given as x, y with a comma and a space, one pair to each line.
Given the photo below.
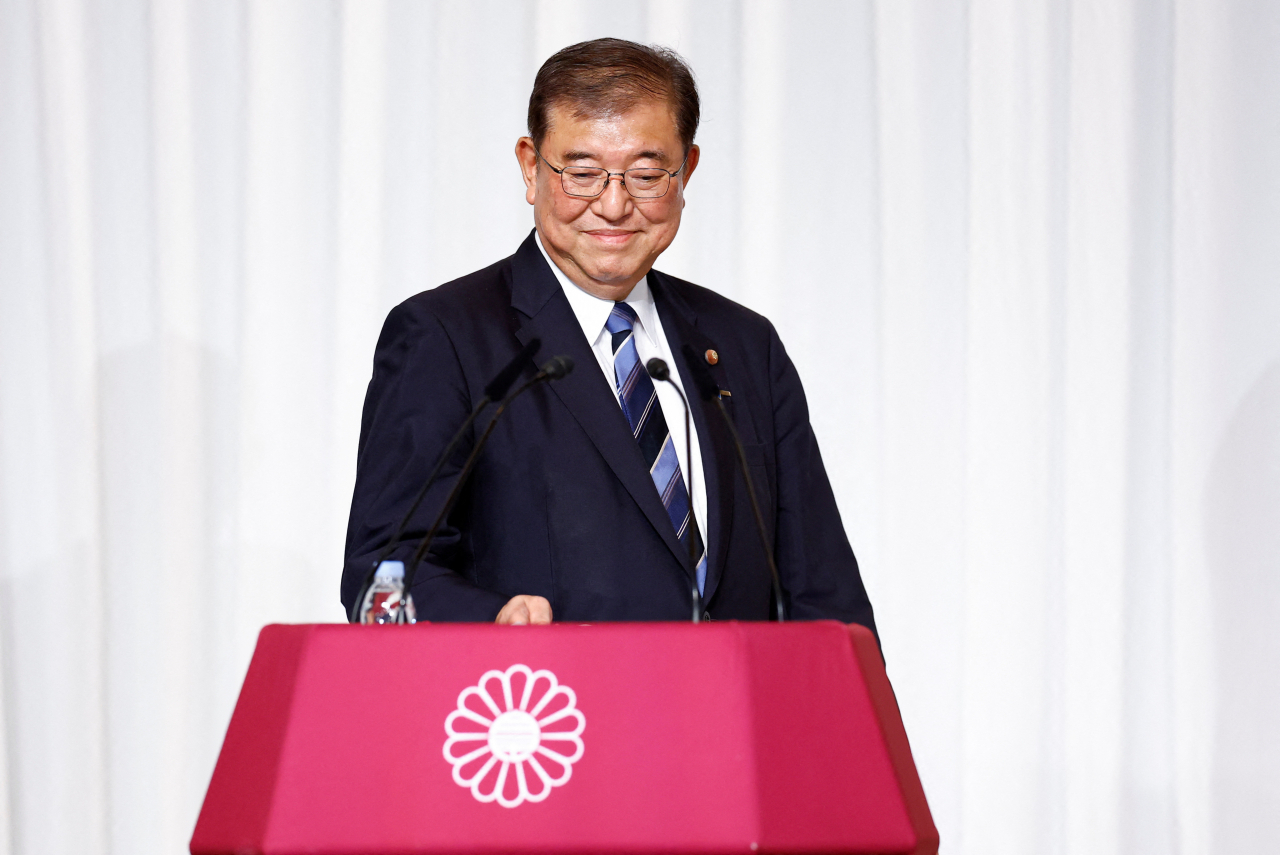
524, 610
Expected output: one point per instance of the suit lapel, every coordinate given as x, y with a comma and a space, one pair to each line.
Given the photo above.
536, 294
680, 324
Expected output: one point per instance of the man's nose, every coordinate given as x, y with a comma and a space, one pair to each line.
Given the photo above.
614, 202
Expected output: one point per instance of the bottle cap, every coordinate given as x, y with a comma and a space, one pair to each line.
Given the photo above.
390, 570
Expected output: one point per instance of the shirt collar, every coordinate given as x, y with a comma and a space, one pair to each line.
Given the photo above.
592, 311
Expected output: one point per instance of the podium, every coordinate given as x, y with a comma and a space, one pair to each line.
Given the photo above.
722, 737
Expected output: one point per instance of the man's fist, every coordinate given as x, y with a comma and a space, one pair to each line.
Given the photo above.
525, 610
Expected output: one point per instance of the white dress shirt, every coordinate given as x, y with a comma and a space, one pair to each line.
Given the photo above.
651, 341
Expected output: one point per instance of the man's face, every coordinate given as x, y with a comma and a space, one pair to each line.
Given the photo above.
605, 244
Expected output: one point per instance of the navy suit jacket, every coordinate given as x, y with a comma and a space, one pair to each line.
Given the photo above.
561, 504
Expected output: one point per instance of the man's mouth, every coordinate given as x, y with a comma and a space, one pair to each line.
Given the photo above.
611, 237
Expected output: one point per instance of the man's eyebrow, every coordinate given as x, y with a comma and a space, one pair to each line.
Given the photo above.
660, 156
575, 155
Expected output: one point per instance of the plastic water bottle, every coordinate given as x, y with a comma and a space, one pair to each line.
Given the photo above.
386, 600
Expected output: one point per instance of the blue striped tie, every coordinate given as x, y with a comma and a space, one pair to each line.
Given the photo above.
640, 405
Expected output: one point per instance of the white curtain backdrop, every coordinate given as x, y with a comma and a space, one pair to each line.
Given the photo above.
1023, 252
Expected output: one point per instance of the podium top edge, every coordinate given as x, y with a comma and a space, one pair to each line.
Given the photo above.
636, 626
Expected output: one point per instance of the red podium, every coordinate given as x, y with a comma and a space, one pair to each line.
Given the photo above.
724, 737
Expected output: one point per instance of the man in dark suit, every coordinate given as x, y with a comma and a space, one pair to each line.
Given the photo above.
579, 508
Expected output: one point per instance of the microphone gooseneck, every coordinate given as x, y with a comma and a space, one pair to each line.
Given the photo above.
658, 370
499, 385
553, 369
496, 388
709, 391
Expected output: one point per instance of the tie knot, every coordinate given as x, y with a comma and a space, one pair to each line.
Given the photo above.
620, 324
621, 319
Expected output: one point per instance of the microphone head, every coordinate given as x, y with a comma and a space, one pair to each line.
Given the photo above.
557, 367
707, 388
499, 385
657, 369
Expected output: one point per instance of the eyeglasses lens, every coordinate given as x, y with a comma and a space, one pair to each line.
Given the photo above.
590, 182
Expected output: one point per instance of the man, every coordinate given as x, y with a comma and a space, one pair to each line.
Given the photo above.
578, 508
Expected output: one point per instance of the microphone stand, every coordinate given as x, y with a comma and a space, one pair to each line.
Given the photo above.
496, 388
708, 390
554, 369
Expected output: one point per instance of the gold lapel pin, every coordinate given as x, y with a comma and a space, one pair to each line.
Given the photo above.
712, 357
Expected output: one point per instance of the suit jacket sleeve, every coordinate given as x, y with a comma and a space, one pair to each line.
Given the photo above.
817, 566
417, 398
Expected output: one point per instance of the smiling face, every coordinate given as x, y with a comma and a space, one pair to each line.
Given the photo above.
606, 244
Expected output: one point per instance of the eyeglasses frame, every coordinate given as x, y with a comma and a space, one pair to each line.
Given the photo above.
609, 177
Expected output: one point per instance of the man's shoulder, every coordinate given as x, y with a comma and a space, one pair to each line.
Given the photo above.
487, 288
744, 338
456, 315
713, 308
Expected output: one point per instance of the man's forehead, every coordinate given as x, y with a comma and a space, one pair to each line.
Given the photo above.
647, 130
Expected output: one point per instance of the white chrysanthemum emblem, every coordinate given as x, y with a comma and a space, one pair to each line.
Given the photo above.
514, 736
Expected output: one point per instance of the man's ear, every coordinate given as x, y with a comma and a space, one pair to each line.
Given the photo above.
527, 156
691, 163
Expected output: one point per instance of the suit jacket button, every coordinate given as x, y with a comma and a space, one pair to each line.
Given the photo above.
712, 357
706, 615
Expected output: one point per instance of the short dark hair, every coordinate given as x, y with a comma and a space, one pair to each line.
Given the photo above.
608, 76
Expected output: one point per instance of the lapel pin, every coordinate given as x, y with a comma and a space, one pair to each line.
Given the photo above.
712, 357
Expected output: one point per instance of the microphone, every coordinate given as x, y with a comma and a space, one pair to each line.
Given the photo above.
658, 370
708, 391
496, 388
552, 369
556, 367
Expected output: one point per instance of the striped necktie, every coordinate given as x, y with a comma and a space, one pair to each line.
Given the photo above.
640, 405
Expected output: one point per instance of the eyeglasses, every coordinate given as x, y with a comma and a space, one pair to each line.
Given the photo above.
588, 182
